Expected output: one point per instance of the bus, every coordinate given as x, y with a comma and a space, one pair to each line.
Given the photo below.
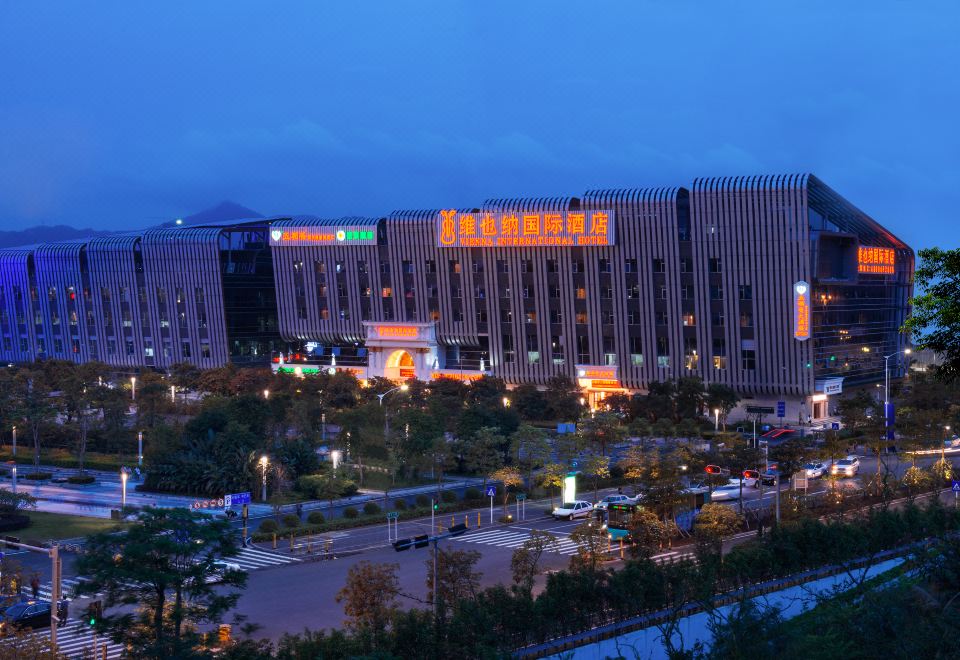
619, 517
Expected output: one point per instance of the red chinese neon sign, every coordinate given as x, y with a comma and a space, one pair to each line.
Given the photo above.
876, 260
524, 229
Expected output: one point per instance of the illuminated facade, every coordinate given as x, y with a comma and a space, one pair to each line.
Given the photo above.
773, 285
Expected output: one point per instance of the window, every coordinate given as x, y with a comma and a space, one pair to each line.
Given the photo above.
297, 266
636, 351
686, 265
719, 353
455, 266
458, 316
606, 317
633, 291
659, 266
604, 265
431, 266
526, 292
662, 292
606, 293
719, 362
456, 292
633, 318
581, 318
477, 266
686, 292
552, 266
526, 266
407, 267
577, 266
716, 292
186, 349
384, 267
630, 266
689, 319
503, 266
481, 316
746, 292
554, 292
661, 318
581, 293
205, 350
746, 320
362, 267
531, 317
718, 319
715, 266
749, 359
556, 316
506, 316
480, 292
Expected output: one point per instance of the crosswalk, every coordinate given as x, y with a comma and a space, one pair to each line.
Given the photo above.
507, 538
76, 640
250, 559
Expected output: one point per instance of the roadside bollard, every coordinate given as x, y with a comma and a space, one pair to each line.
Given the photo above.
274, 540
309, 545
478, 519
466, 520
328, 547
621, 548
452, 523
291, 541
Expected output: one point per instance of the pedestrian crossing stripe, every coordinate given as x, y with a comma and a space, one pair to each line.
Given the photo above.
505, 538
75, 640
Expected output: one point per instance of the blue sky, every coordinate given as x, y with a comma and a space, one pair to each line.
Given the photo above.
121, 114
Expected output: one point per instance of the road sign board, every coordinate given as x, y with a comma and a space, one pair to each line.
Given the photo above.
760, 410
834, 426
781, 408
521, 497
491, 491
393, 515
956, 486
236, 499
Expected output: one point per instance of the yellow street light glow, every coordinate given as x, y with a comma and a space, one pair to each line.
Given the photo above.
404, 387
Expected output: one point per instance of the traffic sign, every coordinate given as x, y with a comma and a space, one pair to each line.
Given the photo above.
521, 497
834, 426
236, 499
781, 408
393, 515
491, 491
956, 486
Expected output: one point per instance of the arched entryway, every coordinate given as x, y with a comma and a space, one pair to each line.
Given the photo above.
400, 366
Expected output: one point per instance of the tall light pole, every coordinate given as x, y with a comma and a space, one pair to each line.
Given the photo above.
13, 470
140, 449
886, 389
266, 394
716, 419
943, 445
133, 388
386, 417
263, 468
14, 441
173, 394
123, 492
402, 388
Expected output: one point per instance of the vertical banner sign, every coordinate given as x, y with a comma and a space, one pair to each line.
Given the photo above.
801, 311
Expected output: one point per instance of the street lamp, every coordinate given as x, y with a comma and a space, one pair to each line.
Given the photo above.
886, 388
139, 449
335, 461
14, 472
123, 493
943, 445
133, 388
263, 468
716, 419
506, 402
14, 441
402, 388
173, 394
266, 394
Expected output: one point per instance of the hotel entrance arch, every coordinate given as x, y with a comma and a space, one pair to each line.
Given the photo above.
399, 365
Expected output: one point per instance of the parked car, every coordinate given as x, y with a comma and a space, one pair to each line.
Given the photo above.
846, 467
769, 478
571, 510
729, 491
751, 478
31, 614
814, 470
616, 498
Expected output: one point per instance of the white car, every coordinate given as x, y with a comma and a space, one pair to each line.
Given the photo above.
220, 569
729, 491
616, 498
814, 470
847, 467
571, 510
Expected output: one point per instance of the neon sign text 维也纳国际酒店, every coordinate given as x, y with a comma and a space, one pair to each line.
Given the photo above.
525, 229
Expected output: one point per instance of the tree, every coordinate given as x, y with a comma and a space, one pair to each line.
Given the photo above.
664, 428
551, 477
648, 534
34, 406
510, 478
529, 402
457, 578
790, 456
483, 453
597, 467
525, 562
563, 398
592, 544
689, 397
602, 429
721, 397
13, 503
162, 565
713, 524
362, 429
640, 428
369, 596
530, 449
935, 315
633, 464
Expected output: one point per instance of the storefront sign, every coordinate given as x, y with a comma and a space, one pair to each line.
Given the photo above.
801, 311
524, 229
456, 375
397, 331
605, 373
875, 260
333, 235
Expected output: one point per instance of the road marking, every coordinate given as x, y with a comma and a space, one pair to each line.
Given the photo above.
75, 640
251, 559
506, 538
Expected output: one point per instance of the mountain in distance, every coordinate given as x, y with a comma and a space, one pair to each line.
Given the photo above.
46, 234
222, 212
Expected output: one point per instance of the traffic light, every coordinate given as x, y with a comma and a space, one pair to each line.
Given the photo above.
712, 469
436, 505
94, 612
421, 541
457, 530
402, 544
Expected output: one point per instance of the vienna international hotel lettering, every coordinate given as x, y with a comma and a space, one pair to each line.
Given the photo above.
524, 229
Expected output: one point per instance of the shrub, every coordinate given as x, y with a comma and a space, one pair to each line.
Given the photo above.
37, 476
315, 518
371, 508
423, 501
448, 496
268, 526
350, 512
347, 487
291, 520
472, 494
310, 484
81, 479
400, 505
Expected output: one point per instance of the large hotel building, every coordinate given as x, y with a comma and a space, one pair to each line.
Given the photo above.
774, 285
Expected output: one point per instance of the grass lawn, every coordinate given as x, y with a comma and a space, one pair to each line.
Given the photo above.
50, 526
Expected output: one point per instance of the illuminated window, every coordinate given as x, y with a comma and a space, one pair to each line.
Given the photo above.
434, 315
455, 266
325, 314
297, 266
386, 292
636, 359
689, 319
581, 293
531, 317
581, 318
364, 291
719, 362
663, 361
